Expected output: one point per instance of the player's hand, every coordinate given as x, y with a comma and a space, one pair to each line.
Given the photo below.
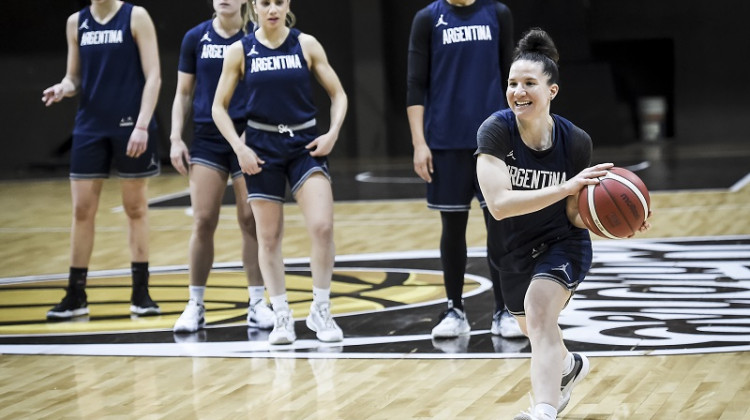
588, 176
646, 225
322, 145
53, 94
423, 162
138, 143
179, 156
249, 161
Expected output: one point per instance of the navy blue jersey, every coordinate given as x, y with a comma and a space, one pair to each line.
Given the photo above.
278, 81
529, 169
112, 77
202, 54
464, 82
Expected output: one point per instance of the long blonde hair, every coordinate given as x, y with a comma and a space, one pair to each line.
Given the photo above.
291, 20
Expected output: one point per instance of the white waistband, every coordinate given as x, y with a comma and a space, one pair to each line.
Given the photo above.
281, 128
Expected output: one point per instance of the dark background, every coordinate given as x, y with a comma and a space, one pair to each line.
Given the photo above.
690, 53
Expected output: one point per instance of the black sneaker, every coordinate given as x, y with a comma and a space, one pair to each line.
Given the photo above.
579, 371
73, 304
141, 303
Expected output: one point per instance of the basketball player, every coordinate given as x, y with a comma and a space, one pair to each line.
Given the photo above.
277, 63
113, 62
212, 160
459, 53
531, 165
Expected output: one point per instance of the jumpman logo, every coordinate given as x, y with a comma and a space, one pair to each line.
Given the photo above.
205, 37
441, 21
252, 51
153, 161
85, 24
564, 269
510, 155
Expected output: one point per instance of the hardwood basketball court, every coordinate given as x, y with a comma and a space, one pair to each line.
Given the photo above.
664, 318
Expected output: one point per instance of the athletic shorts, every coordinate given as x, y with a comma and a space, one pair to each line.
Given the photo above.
565, 261
286, 160
215, 153
93, 157
454, 181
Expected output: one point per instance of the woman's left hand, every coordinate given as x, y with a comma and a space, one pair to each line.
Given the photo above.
321, 146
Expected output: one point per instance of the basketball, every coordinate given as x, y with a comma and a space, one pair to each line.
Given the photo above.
617, 206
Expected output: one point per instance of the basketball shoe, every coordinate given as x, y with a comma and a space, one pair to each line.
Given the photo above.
141, 303
579, 371
283, 328
259, 315
452, 323
505, 325
73, 304
526, 415
321, 321
192, 319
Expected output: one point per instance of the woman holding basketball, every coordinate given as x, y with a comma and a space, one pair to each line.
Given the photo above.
531, 165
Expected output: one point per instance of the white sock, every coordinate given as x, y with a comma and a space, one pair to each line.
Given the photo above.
568, 363
321, 295
256, 294
280, 303
196, 293
545, 411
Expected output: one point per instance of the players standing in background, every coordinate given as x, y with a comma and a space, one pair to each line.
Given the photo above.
277, 63
459, 53
212, 160
113, 62
531, 166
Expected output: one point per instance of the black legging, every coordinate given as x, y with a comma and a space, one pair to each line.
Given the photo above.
453, 257
494, 272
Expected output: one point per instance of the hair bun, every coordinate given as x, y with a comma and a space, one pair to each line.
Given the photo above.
537, 41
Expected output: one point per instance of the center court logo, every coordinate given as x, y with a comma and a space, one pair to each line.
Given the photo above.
640, 297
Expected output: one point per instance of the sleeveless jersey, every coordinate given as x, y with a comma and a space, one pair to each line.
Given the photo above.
202, 54
529, 169
278, 81
465, 74
112, 77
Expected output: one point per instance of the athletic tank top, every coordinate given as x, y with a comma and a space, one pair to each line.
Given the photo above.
202, 54
278, 81
529, 169
112, 78
465, 75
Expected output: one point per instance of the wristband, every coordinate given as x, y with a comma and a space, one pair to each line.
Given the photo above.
141, 128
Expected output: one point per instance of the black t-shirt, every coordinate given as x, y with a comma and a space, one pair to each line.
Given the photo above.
529, 169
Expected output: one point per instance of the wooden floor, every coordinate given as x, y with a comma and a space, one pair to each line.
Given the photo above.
34, 240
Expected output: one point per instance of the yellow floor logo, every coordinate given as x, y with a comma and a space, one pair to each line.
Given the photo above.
23, 306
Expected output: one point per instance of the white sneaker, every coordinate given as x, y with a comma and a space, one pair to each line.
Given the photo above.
321, 321
505, 325
283, 328
452, 324
580, 370
192, 319
260, 316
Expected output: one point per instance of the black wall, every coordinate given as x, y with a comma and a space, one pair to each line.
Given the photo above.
612, 54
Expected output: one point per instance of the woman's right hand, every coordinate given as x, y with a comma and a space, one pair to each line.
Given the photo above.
249, 161
588, 176
179, 156
53, 94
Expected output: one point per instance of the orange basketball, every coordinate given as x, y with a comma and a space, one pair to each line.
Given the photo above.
617, 206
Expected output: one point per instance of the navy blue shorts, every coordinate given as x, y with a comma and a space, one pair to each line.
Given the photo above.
454, 181
286, 159
565, 261
93, 157
215, 153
